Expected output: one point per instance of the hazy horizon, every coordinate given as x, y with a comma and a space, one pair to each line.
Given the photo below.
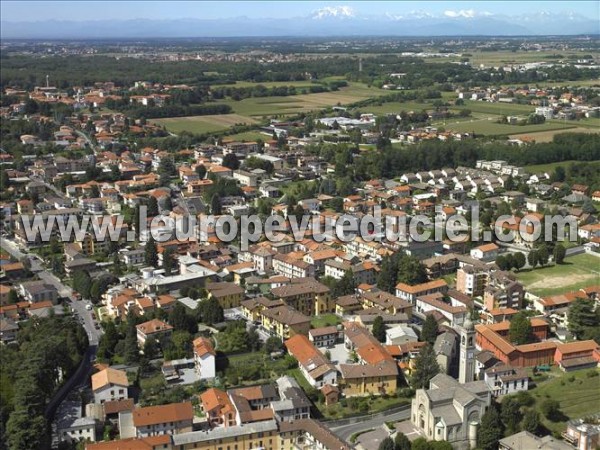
60, 19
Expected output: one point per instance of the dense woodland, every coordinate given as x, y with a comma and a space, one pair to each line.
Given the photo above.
65, 72
48, 352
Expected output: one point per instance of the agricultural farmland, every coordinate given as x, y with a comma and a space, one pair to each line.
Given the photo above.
204, 124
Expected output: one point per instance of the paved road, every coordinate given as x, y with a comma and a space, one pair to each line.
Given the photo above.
79, 307
374, 421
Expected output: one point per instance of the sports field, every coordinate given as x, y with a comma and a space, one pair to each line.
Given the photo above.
576, 272
204, 124
490, 126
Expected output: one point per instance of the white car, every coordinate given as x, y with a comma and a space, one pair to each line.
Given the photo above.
88, 307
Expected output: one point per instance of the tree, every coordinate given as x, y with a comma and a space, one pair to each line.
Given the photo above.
520, 331
215, 205
386, 444
518, 260
179, 319
559, 253
273, 344
501, 262
253, 339
152, 206
201, 171
379, 329
57, 265
581, 317
490, 430
551, 409
388, 274
151, 253
531, 421
82, 283
210, 311
510, 414
532, 258
402, 442
168, 261
13, 297
231, 161
430, 329
151, 348
411, 270
588, 207
543, 255
426, 367
420, 444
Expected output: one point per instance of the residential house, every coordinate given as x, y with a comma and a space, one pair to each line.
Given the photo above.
172, 418
110, 385
314, 366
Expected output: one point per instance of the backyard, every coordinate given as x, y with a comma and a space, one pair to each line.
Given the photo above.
577, 272
325, 320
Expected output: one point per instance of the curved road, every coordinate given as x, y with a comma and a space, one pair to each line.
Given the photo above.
372, 421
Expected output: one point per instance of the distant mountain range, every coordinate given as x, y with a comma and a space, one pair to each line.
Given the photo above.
329, 21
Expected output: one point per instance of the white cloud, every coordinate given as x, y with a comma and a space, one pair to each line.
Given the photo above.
467, 13
334, 11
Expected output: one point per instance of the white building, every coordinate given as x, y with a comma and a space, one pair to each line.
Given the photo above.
204, 358
450, 411
399, 335
503, 379
110, 385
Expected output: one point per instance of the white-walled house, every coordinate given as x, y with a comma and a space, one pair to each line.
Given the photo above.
110, 385
204, 358
503, 379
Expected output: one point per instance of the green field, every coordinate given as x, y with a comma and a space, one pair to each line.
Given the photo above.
203, 124
578, 398
547, 167
281, 106
247, 136
325, 320
268, 84
490, 126
577, 272
501, 109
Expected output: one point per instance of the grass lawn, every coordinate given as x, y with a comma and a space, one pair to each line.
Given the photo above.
203, 124
489, 126
325, 320
501, 109
295, 373
247, 136
577, 393
577, 271
548, 167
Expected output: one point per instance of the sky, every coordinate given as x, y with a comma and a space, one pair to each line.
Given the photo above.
25, 11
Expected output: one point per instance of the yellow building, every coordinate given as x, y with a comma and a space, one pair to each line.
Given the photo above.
252, 308
285, 322
307, 296
367, 379
229, 295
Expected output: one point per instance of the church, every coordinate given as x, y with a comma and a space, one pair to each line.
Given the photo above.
451, 410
